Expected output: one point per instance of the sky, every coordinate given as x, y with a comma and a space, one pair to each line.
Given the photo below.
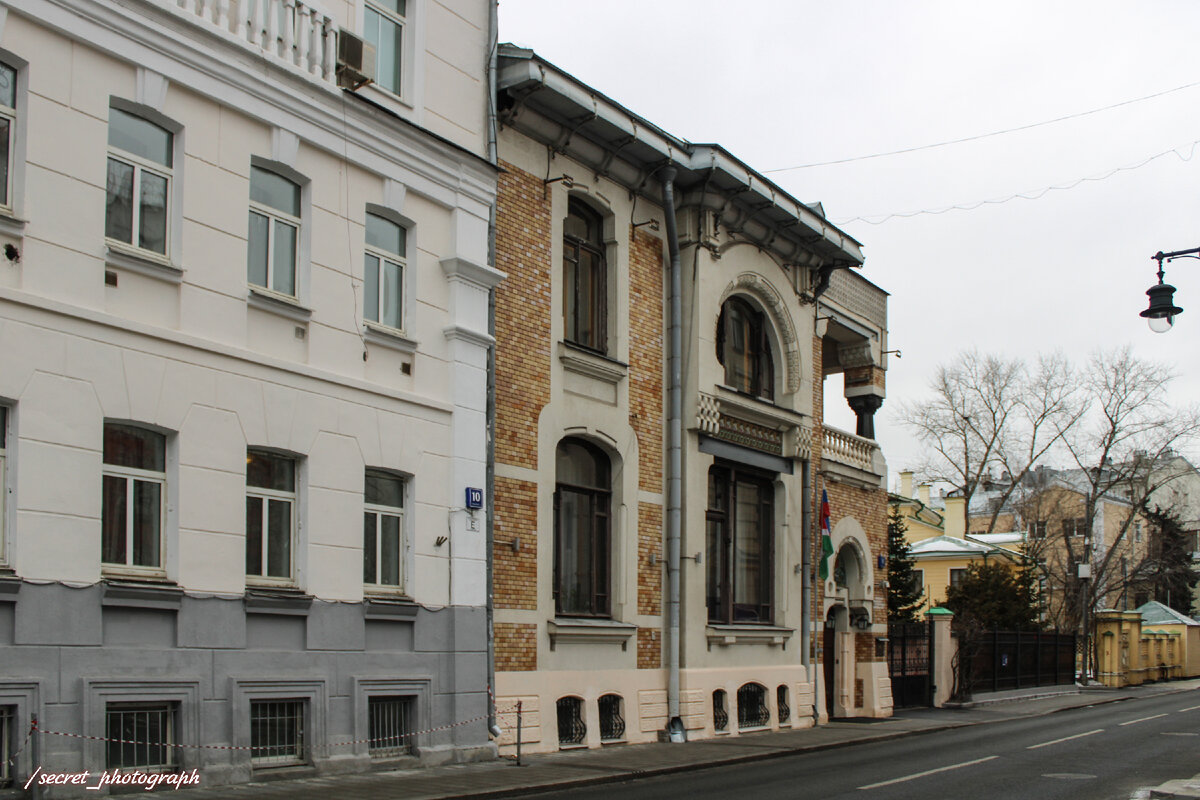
782, 84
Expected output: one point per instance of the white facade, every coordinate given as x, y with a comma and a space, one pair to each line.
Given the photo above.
158, 321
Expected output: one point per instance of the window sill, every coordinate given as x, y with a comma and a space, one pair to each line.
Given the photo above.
756, 409
11, 224
277, 600
725, 635
593, 365
388, 337
266, 300
127, 592
579, 630
389, 607
143, 262
10, 586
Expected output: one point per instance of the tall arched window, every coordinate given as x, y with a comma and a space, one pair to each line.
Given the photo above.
744, 349
582, 498
585, 278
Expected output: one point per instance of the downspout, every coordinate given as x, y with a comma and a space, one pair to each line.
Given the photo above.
675, 729
490, 412
806, 586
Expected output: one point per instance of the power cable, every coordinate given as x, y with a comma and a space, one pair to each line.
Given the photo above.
984, 135
878, 219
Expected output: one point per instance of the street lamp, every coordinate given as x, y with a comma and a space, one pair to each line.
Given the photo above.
1162, 311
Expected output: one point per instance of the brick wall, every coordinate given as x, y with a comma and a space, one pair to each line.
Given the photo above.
649, 648
514, 581
869, 507
646, 362
522, 314
650, 576
516, 647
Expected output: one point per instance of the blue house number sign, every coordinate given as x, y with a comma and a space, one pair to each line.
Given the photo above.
474, 497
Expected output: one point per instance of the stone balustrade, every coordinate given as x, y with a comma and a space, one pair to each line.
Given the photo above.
846, 448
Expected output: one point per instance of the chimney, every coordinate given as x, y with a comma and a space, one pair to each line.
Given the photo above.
923, 493
906, 479
955, 523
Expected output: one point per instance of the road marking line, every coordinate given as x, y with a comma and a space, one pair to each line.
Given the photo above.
1143, 719
1179, 733
1064, 739
1190, 708
927, 772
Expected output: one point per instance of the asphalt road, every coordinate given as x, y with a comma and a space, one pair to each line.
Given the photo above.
1104, 752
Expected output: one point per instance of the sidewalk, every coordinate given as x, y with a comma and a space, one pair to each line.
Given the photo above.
572, 768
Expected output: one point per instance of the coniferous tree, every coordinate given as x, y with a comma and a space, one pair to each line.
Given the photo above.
905, 593
1172, 578
995, 596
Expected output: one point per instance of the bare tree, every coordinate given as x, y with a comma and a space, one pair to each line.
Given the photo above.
988, 413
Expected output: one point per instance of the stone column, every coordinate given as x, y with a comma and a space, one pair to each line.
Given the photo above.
945, 647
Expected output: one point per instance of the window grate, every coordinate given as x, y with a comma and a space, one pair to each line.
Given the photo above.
277, 731
781, 700
720, 715
612, 723
8, 722
144, 733
752, 706
390, 725
571, 727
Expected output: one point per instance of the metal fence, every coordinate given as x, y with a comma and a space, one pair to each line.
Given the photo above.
910, 653
993, 661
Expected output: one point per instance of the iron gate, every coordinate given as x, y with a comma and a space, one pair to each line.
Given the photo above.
910, 654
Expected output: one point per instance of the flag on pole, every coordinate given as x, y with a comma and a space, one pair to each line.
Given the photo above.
826, 541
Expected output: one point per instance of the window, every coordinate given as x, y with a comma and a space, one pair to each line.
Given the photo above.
132, 505
8, 724
1137, 531
390, 724
3, 475
581, 530
383, 530
919, 578
740, 545
781, 701
270, 514
140, 157
1037, 530
1075, 527
274, 232
8, 124
744, 350
957, 576
277, 732
752, 706
572, 730
141, 736
384, 27
720, 715
384, 272
585, 285
612, 721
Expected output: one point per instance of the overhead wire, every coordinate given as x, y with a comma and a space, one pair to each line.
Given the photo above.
1036, 194
979, 136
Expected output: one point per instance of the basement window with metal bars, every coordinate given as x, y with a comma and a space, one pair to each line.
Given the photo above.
720, 715
572, 730
8, 728
612, 722
277, 732
140, 736
391, 722
752, 706
785, 709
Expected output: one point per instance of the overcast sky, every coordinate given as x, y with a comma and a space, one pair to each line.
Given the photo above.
783, 83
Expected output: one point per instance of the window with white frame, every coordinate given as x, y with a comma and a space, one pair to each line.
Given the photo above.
383, 23
140, 161
273, 237
3, 477
383, 530
383, 272
134, 490
8, 124
270, 514
957, 576
277, 732
140, 736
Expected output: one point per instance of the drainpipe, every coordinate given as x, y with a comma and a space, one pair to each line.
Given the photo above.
806, 586
490, 466
675, 729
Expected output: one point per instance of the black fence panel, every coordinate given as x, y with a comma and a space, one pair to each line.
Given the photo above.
910, 656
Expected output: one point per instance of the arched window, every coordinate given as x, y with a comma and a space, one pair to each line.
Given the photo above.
752, 706
744, 349
585, 278
781, 702
612, 721
720, 715
572, 730
582, 498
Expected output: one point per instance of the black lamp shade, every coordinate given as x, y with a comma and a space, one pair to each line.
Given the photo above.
1162, 302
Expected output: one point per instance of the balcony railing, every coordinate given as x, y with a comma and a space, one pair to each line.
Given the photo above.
848, 449
295, 33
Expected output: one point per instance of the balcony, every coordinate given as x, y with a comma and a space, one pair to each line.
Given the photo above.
299, 36
853, 459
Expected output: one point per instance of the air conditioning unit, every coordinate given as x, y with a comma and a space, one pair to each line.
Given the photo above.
355, 61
